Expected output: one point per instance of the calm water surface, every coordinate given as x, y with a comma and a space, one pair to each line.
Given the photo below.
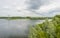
17, 27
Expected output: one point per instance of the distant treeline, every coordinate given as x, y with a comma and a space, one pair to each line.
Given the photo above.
32, 18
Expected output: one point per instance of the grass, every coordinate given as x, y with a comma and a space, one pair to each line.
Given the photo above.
48, 29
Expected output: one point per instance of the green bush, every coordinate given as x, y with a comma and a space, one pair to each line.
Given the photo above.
48, 29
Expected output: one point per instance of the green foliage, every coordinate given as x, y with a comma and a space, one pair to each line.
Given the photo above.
48, 29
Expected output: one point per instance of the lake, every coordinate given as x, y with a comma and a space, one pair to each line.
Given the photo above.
18, 27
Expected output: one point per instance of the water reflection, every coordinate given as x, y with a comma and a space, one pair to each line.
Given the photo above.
16, 27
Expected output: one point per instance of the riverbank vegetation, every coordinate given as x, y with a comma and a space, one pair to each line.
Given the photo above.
47, 29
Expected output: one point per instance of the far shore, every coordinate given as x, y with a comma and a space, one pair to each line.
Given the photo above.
31, 18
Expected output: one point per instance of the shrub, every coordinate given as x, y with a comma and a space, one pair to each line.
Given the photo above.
48, 29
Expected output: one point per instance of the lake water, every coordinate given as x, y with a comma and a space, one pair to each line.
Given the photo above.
19, 27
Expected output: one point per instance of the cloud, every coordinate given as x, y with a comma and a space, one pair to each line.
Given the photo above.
43, 7
35, 4
48, 10
28, 7
11, 7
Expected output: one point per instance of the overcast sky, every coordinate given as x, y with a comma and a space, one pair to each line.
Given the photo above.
29, 7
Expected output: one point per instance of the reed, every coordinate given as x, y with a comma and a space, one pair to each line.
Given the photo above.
48, 29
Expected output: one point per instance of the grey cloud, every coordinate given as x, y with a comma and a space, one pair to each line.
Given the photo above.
49, 13
9, 6
35, 4
55, 11
52, 12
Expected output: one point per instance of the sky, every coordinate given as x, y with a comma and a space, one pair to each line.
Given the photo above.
29, 7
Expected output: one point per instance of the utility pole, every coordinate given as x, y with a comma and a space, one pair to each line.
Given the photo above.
8, 19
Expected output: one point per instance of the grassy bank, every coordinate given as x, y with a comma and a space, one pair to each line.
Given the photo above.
48, 29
